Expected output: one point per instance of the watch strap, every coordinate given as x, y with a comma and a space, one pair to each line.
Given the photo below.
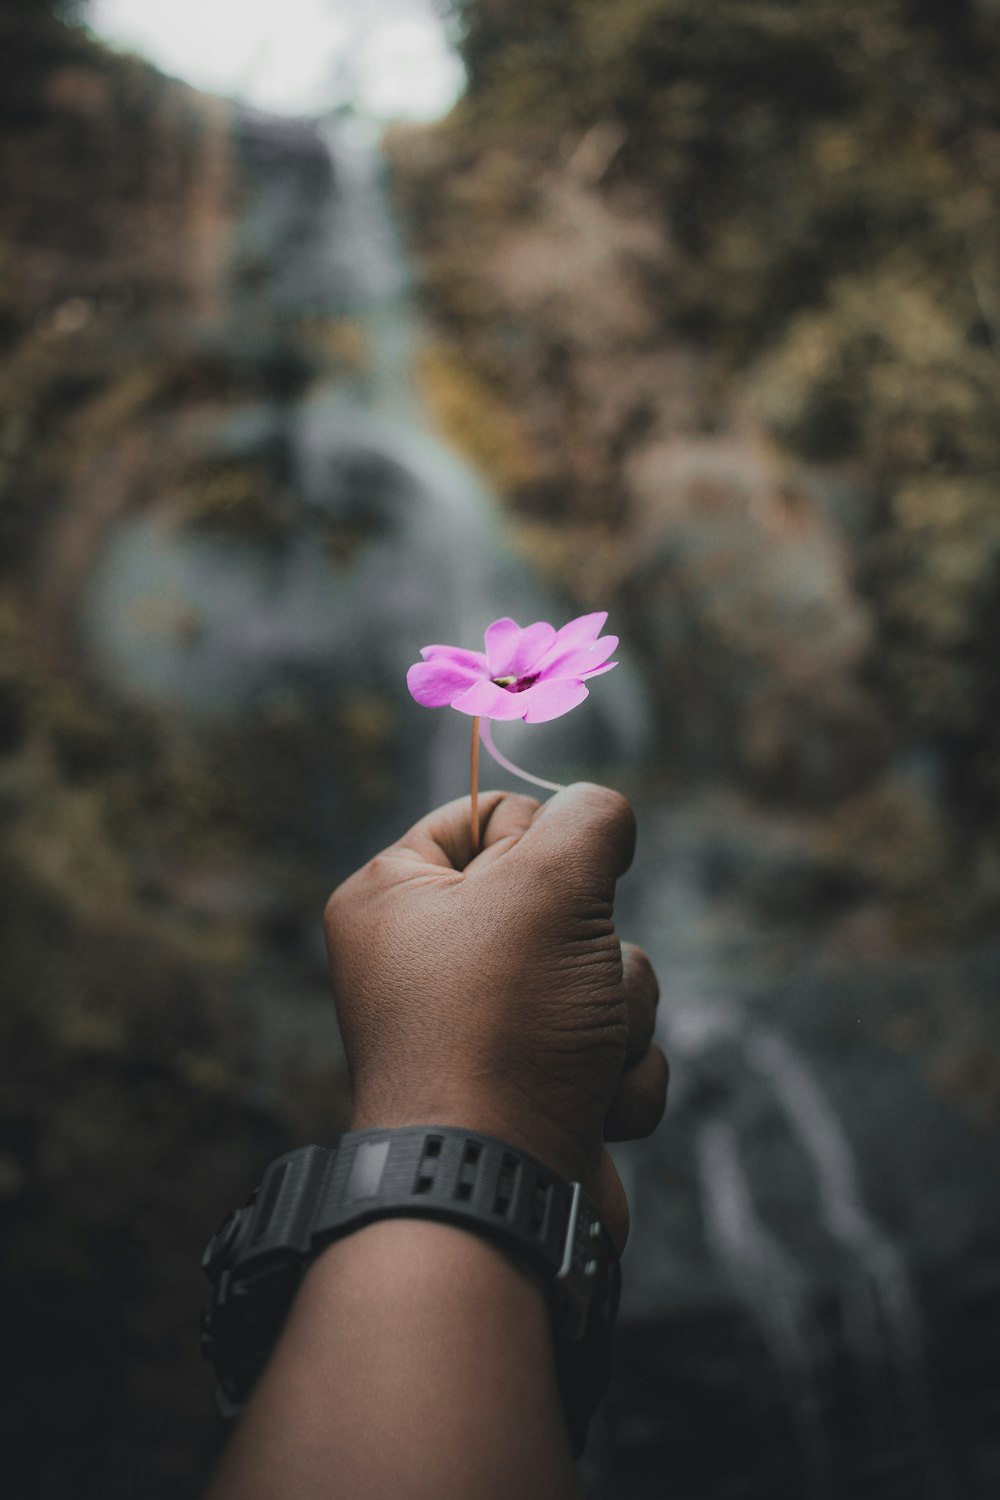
314, 1196
454, 1176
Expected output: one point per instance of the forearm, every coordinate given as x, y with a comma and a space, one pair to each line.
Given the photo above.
417, 1362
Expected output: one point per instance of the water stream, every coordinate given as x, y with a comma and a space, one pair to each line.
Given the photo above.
775, 1289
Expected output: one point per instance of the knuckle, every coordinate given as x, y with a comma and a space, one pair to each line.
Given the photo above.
378, 871
652, 1101
653, 1107
518, 802
357, 889
659, 1083
608, 804
610, 823
641, 1100
335, 903
619, 808
639, 967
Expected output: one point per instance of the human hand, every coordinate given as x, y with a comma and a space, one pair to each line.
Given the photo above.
492, 993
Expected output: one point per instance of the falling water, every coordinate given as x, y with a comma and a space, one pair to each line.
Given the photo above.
363, 455
881, 1307
774, 1289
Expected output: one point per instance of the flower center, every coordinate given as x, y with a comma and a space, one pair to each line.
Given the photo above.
516, 684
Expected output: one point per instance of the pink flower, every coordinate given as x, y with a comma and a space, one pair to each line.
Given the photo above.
534, 674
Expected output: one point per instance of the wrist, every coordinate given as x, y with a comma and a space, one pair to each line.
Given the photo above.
417, 1255
440, 1354
467, 1181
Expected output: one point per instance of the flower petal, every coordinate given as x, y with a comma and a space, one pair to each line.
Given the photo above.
549, 700
458, 655
488, 701
438, 682
581, 630
576, 661
513, 652
596, 671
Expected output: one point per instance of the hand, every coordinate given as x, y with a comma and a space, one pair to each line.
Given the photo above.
492, 992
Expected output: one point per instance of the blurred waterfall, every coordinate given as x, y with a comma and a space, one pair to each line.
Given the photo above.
776, 1292
215, 626
881, 1316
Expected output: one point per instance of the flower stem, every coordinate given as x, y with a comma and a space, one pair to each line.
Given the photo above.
508, 765
475, 787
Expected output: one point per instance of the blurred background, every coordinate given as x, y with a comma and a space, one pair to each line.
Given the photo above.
331, 329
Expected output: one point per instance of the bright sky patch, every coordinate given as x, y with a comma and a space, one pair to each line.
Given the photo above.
390, 58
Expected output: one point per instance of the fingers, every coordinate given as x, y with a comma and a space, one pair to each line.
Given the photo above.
587, 825
640, 1098
642, 993
444, 836
606, 1188
641, 1095
508, 819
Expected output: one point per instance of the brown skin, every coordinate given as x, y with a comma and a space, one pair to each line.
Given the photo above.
490, 993
493, 993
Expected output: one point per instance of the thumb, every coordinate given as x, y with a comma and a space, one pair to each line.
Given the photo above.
593, 824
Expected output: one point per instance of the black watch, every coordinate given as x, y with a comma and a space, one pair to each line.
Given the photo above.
315, 1195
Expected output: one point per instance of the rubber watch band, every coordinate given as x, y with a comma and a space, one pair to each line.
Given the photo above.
315, 1195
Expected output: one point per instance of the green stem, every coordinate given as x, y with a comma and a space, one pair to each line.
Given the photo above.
475, 787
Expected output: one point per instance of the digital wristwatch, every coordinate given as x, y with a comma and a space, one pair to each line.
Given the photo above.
317, 1194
